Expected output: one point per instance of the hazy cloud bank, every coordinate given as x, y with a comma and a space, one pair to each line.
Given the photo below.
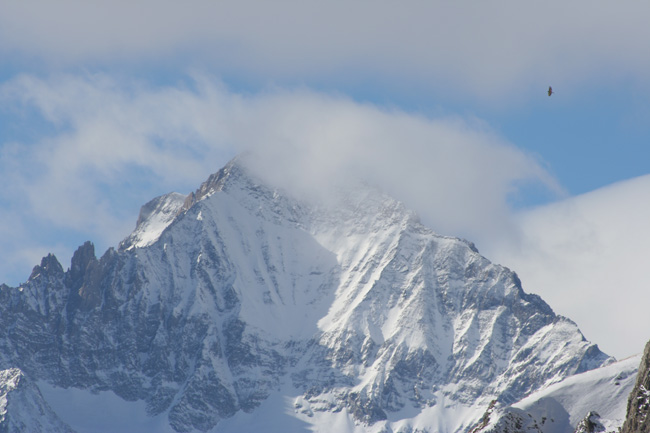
494, 51
107, 147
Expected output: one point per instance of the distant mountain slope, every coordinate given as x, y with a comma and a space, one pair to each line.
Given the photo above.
244, 298
594, 398
22, 407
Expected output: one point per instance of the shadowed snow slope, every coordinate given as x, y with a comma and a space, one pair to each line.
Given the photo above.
249, 303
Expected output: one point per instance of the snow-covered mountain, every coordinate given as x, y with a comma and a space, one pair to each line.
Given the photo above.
240, 306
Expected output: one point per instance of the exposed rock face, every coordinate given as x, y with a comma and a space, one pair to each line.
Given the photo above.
638, 405
512, 420
591, 424
358, 308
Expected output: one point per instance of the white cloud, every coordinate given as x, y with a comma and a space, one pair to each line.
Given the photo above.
456, 173
587, 257
114, 146
497, 51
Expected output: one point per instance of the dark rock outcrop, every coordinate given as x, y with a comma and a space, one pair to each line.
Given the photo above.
590, 424
638, 404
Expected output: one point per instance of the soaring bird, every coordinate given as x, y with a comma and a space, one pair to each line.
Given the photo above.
550, 90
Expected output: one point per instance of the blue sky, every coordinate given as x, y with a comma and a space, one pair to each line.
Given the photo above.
104, 105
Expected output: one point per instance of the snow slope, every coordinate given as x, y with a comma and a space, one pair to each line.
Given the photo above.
560, 407
23, 408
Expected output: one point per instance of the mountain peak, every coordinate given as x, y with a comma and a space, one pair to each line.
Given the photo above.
229, 174
157, 214
153, 219
49, 266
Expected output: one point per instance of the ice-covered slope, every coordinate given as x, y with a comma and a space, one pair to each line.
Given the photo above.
245, 305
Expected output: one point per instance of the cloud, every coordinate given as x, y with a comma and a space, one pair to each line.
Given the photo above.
106, 147
457, 173
500, 51
587, 256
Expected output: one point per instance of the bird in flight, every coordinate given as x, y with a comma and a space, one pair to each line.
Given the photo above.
550, 90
